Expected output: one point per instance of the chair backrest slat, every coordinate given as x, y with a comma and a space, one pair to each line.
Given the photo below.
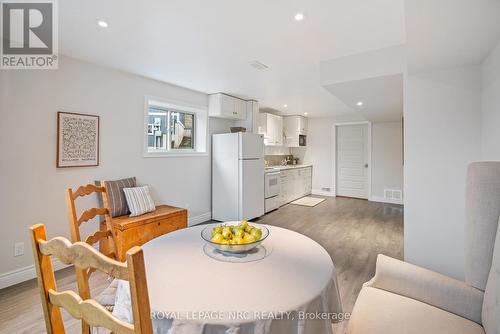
87, 190
91, 311
90, 214
85, 257
97, 236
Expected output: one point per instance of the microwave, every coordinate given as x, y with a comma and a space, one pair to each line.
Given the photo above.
302, 140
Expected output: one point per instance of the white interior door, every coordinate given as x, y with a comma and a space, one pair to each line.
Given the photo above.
352, 161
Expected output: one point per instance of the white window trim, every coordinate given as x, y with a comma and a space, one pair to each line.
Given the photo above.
201, 128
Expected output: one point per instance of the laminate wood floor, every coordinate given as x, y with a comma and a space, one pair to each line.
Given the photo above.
352, 231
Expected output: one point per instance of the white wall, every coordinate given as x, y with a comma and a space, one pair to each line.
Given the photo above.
387, 169
387, 158
442, 136
32, 188
490, 140
319, 153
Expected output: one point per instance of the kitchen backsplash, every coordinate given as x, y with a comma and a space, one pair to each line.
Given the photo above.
275, 160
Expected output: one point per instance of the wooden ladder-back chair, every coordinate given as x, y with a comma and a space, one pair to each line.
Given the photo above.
84, 256
103, 236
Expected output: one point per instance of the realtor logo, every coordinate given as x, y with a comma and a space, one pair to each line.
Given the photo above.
29, 34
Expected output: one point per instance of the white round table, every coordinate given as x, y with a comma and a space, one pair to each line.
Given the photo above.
197, 291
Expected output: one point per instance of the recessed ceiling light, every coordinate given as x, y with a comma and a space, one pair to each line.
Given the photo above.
285, 105
305, 114
102, 24
359, 104
299, 17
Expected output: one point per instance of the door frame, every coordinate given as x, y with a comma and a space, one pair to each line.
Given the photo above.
334, 155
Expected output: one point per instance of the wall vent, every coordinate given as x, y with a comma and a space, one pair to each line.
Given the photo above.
326, 189
258, 65
393, 194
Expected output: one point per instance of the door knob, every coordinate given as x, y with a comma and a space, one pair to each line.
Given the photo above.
366, 165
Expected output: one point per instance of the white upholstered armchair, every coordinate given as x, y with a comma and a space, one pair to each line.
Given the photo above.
405, 299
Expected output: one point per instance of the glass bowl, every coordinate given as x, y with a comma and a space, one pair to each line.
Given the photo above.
206, 234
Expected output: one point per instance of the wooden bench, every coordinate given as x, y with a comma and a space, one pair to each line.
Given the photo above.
136, 231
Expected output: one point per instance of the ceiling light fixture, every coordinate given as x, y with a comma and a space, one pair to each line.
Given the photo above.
102, 24
285, 105
305, 114
299, 17
359, 104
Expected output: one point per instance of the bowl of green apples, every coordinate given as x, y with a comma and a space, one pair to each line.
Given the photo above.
235, 237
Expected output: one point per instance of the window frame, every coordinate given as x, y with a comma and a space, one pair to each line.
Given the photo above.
199, 135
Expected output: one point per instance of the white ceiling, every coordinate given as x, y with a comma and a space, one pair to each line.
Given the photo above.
207, 45
450, 33
382, 97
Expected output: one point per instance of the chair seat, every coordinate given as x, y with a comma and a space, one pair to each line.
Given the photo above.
378, 311
107, 297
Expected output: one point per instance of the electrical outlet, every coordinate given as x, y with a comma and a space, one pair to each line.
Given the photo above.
19, 248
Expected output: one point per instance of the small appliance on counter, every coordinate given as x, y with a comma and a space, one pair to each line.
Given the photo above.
235, 129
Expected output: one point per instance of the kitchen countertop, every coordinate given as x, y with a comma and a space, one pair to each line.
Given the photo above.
279, 168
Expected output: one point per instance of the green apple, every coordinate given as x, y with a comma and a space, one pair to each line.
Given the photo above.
256, 233
239, 232
238, 240
227, 232
243, 224
217, 238
248, 238
216, 230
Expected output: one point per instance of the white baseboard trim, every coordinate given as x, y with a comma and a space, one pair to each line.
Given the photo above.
199, 219
24, 274
320, 192
385, 200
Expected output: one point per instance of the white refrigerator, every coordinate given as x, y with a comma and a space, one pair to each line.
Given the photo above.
237, 176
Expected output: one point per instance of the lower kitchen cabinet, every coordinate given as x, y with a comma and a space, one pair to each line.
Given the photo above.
295, 183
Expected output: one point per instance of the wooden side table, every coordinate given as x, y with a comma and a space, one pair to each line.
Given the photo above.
136, 231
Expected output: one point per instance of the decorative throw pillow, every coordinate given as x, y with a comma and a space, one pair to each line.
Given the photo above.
117, 202
139, 200
491, 301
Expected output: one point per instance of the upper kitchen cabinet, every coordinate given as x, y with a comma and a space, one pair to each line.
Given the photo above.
271, 126
295, 131
225, 106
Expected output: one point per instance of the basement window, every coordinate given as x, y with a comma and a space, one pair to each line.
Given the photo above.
174, 129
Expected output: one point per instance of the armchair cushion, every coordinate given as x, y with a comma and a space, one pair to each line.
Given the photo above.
381, 312
429, 287
491, 304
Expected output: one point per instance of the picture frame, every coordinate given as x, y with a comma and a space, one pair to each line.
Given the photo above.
77, 140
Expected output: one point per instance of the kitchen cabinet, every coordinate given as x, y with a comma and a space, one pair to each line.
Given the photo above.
225, 106
271, 126
295, 183
294, 127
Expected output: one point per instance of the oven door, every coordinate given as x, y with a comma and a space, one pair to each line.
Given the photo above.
272, 184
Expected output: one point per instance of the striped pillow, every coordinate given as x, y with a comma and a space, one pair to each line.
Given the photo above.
139, 200
117, 202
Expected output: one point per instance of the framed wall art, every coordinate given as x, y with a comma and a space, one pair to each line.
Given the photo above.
77, 140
